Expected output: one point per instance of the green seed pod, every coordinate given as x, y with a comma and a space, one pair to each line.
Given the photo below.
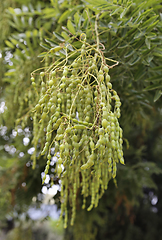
105, 123
44, 115
76, 114
60, 161
32, 79
87, 165
92, 145
106, 69
53, 73
59, 170
50, 83
101, 77
109, 85
42, 74
122, 160
38, 107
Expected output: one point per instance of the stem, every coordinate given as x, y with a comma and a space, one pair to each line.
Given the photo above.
96, 30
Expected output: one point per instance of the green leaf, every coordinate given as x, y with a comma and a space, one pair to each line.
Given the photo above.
45, 46
144, 14
18, 22
153, 79
59, 37
102, 15
14, 41
12, 24
70, 47
153, 86
123, 13
150, 3
140, 73
9, 44
28, 34
129, 54
96, 3
139, 34
62, 52
35, 32
123, 45
149, 58
148, 22
65, 29
138, 9
106, 7
77, 18
11, 10
71, 27
157, 68
132, 25
51, 42
139, 43
148, 42
49, 12
145, 53
157, 54
68, 13
157, 95
152, 26
151, 35
64, 16
43, 54
55, 49
116, 11
65, 35
77, 45
10, 72
135, 60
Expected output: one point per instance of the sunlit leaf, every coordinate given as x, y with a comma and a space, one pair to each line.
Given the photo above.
148, 22
116, 11
51, 42
144, 14
152, 26
77, 18
64, 16
10, 72
9, 44
71, 27
55, 49
43, 54
59, 37
45, 46
65, 35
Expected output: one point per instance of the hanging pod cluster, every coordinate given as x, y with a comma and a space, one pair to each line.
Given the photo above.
77, 115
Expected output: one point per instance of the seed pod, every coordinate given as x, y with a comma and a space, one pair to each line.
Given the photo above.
76, 121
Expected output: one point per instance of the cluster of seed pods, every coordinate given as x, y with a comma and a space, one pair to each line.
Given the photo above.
77, 115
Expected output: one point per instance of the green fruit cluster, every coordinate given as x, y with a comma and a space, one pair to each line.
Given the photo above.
77, 114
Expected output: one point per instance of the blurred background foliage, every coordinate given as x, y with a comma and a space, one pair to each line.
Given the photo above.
131, 33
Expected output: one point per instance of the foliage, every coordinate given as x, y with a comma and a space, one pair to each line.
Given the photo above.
36, 230
129, 32
18, 182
